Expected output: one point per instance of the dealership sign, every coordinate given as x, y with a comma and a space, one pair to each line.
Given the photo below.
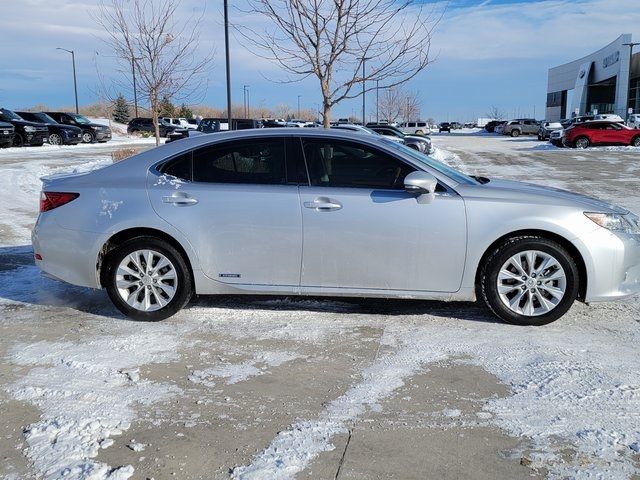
611, 59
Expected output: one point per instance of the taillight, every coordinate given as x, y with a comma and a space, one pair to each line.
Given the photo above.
51, 200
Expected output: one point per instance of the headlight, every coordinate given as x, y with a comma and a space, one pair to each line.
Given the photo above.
29, 129
616, 222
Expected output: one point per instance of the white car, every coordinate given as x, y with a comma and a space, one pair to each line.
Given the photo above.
415, 128
608, 116
634, 120
179, 122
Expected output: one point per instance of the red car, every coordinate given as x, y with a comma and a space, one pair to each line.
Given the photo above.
601, 133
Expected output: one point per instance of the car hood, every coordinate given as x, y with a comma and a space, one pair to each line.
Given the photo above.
418, 138
523, 192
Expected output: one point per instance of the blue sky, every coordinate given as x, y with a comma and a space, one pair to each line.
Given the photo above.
486, 53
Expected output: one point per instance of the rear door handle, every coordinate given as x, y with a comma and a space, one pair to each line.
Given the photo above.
180, 199
323, 204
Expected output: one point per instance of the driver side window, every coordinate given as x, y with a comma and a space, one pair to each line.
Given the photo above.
335, 163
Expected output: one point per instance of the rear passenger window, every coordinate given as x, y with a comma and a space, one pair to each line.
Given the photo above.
246, 161
179, 167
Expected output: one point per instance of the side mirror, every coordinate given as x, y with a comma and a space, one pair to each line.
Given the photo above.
422, 183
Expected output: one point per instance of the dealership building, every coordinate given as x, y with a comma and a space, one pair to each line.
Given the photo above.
607, 81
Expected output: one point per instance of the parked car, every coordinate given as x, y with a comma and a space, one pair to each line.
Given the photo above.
611, 117
545, 129
91, 132
521, 126
59, 134
6, 134
456, 126
491, 125
444, 127
376, 218
180, 122
499, 128
634, 120
556, 137
601, 133
193, 123
145, 124
421, 143
26, 133
417, 128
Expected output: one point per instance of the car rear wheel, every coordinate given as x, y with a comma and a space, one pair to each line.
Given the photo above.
582, 142
147, 279
419, 132
55, 139
515, 133
87, 137
636, 141
529, 280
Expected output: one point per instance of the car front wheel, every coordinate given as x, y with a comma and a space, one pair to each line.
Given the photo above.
582, 142
515, 133
87, 137
147, 279
636, 141
529, 280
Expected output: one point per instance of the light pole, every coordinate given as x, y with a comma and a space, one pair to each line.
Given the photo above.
226, 51
377, 101
75, 85
364, 121
299, 106
630, 45
245, 92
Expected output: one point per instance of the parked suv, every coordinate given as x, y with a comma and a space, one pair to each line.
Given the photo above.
444, 127
417, 128
59, 134
91, 132
142, 124
521, 126
6, 134
26, 133
634, 120
601, 133
421, 143
544, 132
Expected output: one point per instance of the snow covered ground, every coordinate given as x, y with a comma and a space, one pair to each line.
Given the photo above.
277, 388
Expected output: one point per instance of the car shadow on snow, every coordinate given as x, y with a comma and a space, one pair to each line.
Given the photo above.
22, 282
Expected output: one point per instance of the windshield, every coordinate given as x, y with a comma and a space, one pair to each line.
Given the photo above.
9, 115
80, 119
452, 173
44, 118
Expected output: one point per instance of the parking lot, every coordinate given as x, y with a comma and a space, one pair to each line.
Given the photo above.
283, 387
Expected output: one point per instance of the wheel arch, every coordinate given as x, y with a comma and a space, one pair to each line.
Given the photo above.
568, 245
122, 236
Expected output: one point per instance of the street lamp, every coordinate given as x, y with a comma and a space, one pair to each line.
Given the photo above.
364, 59
226, 51
630, 45
245, 94
75, 85
299, 106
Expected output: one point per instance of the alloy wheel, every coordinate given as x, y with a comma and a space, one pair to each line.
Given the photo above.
146, 280
87, 137
55, 139
582, 142
531, 283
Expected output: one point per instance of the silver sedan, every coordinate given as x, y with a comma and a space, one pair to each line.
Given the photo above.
324, 212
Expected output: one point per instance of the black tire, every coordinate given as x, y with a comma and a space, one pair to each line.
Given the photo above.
55, 139
488, 279
581, 142
88, 137
415, 147
18, 141
515, 133
184, 290
636, 141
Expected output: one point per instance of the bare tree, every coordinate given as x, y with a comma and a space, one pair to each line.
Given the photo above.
394, 103
146, 38
332, 39
495, 113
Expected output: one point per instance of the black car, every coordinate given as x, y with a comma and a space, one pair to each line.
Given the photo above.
59, 134
444, 127
91, 132
6, 134
490, 127
144, 124
26, 133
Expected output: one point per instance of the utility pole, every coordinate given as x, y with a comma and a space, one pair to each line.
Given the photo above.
245, 100
135, 90
630, 45
364, 120
226, 51
299, 106
75, 84
377, 101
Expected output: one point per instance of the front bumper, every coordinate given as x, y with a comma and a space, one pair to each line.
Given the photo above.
36, 138
103, 135
613, 267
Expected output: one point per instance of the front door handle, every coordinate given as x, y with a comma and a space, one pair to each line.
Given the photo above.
323, 204
180, 199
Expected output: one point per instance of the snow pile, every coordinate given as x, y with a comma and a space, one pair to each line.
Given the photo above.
87, 393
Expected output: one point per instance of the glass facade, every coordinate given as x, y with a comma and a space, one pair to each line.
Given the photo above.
634, 95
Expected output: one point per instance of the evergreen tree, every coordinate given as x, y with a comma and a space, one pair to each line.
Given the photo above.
184, 112
166, 108
121, 110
